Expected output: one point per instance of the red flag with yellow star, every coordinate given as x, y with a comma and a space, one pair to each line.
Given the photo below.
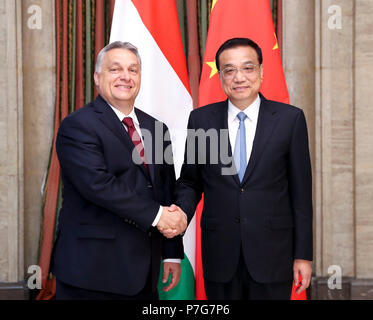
242, 19
239, 19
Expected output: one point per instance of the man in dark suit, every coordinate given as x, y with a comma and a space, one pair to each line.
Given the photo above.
108, 245
256, 222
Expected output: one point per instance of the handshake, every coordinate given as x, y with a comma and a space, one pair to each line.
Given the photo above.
172, 222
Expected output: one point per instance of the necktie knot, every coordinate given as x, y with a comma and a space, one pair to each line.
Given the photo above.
135, 137
241, 116
128, 122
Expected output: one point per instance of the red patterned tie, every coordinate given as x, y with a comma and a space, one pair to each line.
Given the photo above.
128, 122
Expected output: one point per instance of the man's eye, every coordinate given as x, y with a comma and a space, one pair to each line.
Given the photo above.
229, 70
114, 70
248, 69
133, 71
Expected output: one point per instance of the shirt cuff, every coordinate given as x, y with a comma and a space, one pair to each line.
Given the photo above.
155, 222
172, 260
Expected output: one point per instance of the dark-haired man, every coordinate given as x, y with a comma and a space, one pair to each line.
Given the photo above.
256, 222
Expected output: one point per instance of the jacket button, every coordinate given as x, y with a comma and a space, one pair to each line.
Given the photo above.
150, 186
242, 190
237, 220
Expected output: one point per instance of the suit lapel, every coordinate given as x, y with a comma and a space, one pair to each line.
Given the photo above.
220, 121
264, 128
111, 121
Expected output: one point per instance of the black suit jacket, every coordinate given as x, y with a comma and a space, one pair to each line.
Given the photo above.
269, 214
105, 240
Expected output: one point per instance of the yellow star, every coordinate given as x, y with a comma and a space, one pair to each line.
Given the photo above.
214, 70
213, 4
276, 45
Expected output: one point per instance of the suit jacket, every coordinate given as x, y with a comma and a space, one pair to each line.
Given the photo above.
269, 214
105, 240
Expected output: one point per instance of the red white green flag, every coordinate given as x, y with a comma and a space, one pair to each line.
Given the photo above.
153, 27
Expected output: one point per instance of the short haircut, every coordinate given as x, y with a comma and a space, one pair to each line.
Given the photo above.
238, 42
115, 45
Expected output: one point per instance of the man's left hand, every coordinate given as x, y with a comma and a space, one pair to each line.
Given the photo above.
175, 270
302, 268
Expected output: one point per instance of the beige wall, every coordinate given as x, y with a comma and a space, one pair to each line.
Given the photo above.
363, 137
329, 74
39, 83
11, 143
336, 153
27, 88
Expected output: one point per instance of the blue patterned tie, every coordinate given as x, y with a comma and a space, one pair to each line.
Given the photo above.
240, 147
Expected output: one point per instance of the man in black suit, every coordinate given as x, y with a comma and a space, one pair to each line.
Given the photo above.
256, 222
108, 245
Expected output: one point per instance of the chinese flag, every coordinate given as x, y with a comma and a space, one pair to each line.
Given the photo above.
239, 19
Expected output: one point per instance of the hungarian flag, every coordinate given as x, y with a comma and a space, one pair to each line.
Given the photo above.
153, 27
239, 19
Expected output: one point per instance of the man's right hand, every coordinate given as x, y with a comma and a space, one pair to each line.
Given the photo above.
172, 221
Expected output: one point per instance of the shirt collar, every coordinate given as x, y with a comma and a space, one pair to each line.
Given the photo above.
252, 111
121, 115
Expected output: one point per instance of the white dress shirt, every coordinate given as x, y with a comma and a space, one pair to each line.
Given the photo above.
252, 112
136, 123
133, 116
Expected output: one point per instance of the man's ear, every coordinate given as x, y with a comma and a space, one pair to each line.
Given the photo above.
96, 77
261, 72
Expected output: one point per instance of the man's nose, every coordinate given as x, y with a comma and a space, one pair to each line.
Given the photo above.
239, 76
124, 75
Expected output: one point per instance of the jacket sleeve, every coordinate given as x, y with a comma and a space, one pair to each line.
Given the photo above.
300, 187
189, 186
171, 248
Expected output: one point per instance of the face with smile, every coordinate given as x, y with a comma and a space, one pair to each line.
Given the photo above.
119, 79
243, 87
